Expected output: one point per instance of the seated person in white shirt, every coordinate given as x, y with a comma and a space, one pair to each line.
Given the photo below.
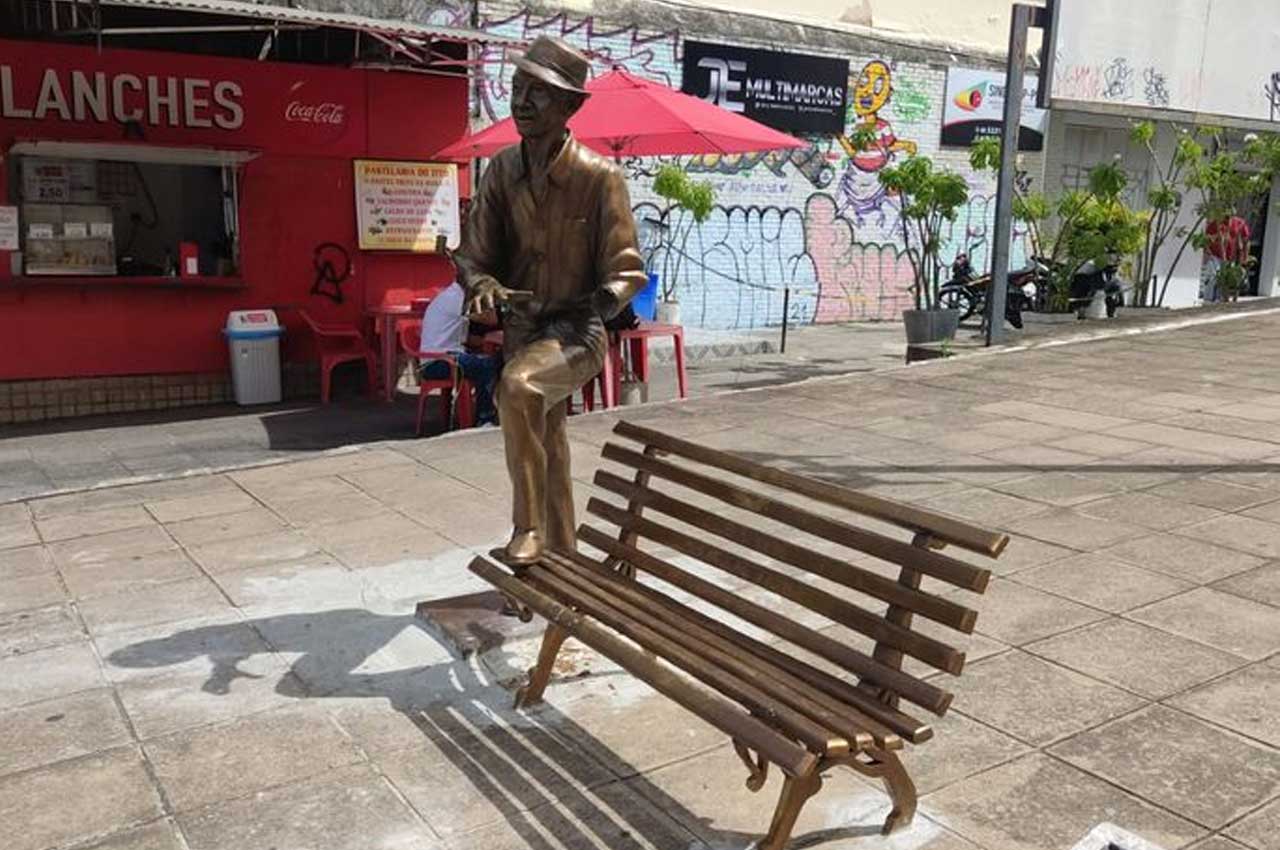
445, 329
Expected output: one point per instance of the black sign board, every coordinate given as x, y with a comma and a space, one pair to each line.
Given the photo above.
787, 91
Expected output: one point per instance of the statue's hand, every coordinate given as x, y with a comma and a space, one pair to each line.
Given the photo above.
487, 294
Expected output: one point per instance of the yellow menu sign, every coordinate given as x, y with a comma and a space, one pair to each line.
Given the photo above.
404, 206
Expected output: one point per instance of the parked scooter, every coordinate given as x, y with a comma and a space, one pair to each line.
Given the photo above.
968, 293
1092, 279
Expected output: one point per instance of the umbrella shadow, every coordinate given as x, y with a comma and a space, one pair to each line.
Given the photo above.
553, 783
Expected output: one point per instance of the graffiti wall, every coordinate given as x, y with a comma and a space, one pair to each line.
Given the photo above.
814, 220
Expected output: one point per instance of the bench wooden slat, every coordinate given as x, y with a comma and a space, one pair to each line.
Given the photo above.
921, 693
816, 736
888, 726
715, 709
936, 608
643, 604
947, 529
838, 610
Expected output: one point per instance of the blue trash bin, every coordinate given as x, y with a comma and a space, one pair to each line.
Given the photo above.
646, 302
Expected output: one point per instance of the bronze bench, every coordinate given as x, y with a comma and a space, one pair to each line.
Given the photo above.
777, 708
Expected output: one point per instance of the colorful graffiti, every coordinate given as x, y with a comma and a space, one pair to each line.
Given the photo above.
860, 193
810, 162
911, 102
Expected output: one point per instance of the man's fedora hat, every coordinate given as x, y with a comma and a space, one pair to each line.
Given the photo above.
556, 64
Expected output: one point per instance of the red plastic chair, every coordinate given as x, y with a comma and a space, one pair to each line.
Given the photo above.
340, 344
455, 385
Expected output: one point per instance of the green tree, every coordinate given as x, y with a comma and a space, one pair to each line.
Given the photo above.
698, 198
930, 198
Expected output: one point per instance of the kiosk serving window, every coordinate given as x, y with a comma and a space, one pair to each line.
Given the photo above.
139, 212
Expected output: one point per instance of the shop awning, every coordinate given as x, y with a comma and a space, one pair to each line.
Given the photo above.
125, 152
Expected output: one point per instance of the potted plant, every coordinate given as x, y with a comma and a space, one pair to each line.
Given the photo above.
929, 198
697, 198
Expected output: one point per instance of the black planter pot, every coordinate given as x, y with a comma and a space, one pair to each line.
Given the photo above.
924, 326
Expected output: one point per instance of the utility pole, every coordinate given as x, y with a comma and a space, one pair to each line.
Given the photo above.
1024, 18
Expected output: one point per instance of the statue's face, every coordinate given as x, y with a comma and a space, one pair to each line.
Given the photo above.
540, 109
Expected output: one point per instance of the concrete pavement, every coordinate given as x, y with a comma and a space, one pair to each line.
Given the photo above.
224, 662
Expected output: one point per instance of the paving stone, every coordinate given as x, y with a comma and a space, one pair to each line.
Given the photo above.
33, 591
960, 748
1148, 511
1141, 659
26, 631
1063, 489
313, 583
238, 526
1260, 585
162, 835
205, 505
1057, 417
66, 727
981, 505
1181, 557
24, 562
350, 807
1039, 803
314, 511
186, 599
68, 526
1239, 532
48, 673
1234, 448
1022, 553
1016, 614
1102, 445
1074, 530
1102, 582
1260, 830
256, 551
110, 790
17, 534
1239, 626
1180, 763
212, 764
1035, 701
130, 544
1209, 493
140, 574
1217, 842
1245, 702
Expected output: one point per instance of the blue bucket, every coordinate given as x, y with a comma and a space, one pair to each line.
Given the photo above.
646, 302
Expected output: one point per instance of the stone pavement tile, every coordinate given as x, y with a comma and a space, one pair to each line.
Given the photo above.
1148, 511
1260, 585
26, 631
410, 543
88, 500
981, 505
1016, 614
161, 835
1248, 410
316, 582
613, 817
68, 526
1102, 582
1259, 830
1214, 423
54, 730
1101, 445
48, 673
1264, 476
1063, 489
1239, 626
76, 800
116, 546
1217, 842
1022, 553
91, 580
460, 776
377, 727
215, 529
387, 523
959, 748
1245, 702
34, 591
1036, 701
18, 533
318, 511
1039, 803
347, 808
1220, 445
213, 764
284, 487
1179, 763
1209, 493
1141, 659
1269, 512
185, 599
207, 647
1042, 458
973, 441
206, 505
978, 470
1181, 401
1075, 530
257, 551
1182, 557
25, 561
1057, 417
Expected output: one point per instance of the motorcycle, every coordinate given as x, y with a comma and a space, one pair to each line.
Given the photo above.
1092, 278
967, 293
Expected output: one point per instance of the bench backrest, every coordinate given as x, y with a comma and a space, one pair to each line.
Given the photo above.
741, 519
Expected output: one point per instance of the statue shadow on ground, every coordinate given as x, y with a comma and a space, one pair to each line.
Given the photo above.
552, 780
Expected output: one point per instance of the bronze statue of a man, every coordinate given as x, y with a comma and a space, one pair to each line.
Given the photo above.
551, 236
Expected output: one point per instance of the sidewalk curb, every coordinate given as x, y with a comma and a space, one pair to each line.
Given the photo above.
1076, 339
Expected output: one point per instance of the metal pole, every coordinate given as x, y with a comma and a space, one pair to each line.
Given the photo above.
786, 312
1013, 92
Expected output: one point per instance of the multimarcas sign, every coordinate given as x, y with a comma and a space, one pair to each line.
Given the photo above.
800, 94
73, 93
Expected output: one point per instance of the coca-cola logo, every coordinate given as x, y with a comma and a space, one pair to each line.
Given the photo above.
315, 113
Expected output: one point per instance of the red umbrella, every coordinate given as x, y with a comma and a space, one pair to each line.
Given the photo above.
629, 116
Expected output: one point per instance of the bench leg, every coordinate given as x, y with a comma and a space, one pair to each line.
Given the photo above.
531, 694
796, 791
902, 791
